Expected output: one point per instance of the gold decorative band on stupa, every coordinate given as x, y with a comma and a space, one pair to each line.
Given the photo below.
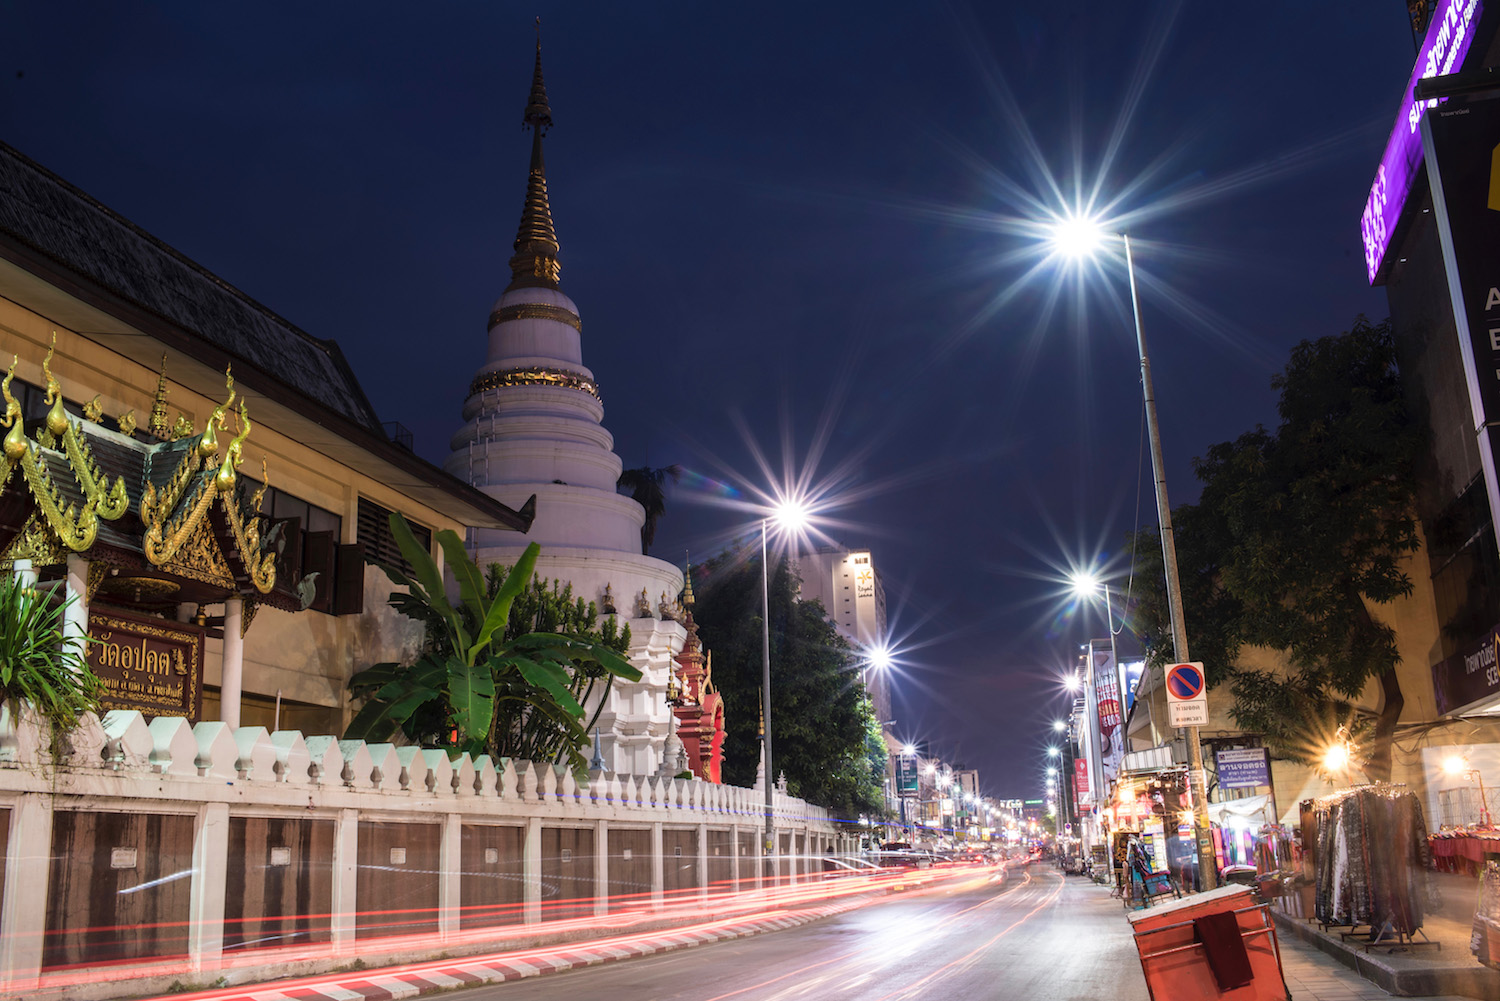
534, 377
536, 311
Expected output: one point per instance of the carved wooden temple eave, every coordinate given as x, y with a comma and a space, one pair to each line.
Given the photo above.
698, 707
159, 523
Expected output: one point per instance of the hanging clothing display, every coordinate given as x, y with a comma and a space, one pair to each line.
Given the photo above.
1371, 859
1485, 940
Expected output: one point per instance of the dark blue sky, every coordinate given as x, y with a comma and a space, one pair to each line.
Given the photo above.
760, 203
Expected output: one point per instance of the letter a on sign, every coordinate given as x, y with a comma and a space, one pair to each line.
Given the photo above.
1187, 700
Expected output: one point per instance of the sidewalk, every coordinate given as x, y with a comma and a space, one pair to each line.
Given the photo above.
1312, 975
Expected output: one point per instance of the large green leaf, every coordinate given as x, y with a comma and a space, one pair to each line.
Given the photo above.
471, 694
551, 646
429, 577
499, 611
551, 678
379, 718
470, 580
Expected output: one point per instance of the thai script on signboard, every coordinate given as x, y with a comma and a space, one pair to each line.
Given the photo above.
1442, 52
1468, 677
1243, 768
150, 665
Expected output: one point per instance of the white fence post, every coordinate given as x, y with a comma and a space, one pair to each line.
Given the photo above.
450, 876
345, 880
206, 895
531, 871
601, 867
23, 913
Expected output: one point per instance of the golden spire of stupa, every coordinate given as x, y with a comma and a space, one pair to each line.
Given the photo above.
535, 262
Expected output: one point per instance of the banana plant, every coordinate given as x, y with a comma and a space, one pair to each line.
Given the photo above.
474, 689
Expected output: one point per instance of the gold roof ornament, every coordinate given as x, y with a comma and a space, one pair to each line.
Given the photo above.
208, 444
93, 410
126, 421
157, 425
535, 262
74, 528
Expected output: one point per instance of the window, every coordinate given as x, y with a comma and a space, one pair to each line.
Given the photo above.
375, 535
309, 543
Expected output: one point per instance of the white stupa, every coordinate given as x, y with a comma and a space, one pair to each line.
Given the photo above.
533, 427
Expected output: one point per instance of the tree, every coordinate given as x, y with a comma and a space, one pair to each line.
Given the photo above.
647, 488
823, 726
478, 686
1295, 535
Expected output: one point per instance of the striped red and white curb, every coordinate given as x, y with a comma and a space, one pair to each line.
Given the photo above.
412, 981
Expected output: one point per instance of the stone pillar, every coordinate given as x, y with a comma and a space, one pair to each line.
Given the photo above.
450, 875
210, 875
23, 911
734, 858
24, 573
531, 872
232, 673
658, 872
601, 867
76, 617
345, 880
703, 861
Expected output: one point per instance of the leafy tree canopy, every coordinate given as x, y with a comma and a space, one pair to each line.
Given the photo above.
824, 734
1295, 533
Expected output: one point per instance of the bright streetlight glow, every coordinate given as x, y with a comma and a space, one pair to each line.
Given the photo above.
1077, 235
1071, 682
1085, 583
1336, 757
1051, 772
878, 657
1453, 764
1059, 725
789, 515
908, 748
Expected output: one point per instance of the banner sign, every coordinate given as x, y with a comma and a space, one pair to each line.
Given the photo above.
1468, 677
1447, 41
906, 774
1244, 768
1107, 698
1080, 781
152, 665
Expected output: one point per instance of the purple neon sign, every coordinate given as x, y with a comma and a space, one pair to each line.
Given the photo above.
1442, 52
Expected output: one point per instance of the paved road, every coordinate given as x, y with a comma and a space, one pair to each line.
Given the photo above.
1031, 934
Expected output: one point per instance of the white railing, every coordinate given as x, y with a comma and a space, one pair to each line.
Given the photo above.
127, 764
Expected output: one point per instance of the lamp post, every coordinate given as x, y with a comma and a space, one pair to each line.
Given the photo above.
1081, 235
787, 515
1458, 766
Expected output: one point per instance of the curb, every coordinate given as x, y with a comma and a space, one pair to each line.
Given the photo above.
1467, 979
445, 975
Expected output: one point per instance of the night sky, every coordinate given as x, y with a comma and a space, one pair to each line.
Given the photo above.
792, 226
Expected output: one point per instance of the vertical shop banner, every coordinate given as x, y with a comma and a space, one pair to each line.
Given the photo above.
906, 774
1462, 144
1107, 698
1081, 782
1465, 141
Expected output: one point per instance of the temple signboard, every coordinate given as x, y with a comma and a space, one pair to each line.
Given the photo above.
151, 665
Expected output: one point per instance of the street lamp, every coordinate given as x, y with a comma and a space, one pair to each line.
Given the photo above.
1079, 235
1456, 765
788, 515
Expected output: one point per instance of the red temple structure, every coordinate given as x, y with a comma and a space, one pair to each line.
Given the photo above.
698, 707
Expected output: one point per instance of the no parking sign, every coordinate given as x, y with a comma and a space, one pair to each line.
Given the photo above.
1187, 702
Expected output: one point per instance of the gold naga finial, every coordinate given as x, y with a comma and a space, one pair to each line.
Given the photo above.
16, 443
158, 425
208, 445
225, 477
57, 416
265, 483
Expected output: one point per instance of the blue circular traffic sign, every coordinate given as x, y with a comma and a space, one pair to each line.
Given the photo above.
1184, 681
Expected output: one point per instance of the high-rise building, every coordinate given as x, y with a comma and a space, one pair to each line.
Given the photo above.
848, 584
